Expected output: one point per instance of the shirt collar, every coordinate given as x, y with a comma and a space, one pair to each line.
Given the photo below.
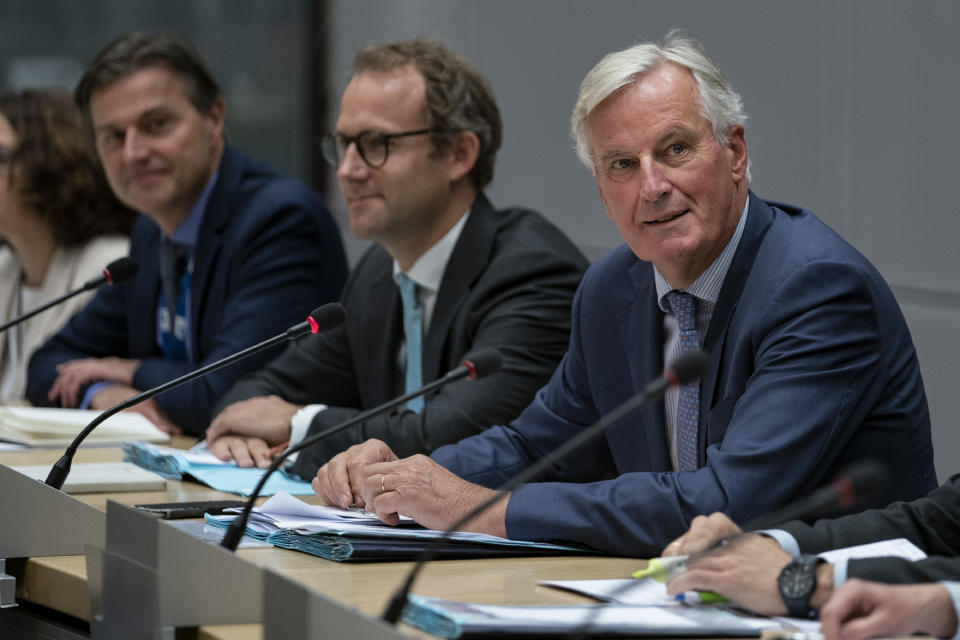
428, 270
707, 286
186, 234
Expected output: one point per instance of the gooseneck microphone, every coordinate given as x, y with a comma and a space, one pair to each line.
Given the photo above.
862, 485
117, 271
475, 366
323, 318
685, 369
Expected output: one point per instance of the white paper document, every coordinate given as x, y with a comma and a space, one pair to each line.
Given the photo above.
45, 427
896, 547
100, 477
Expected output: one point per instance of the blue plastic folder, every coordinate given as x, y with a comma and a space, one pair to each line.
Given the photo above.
337, 534
202, 466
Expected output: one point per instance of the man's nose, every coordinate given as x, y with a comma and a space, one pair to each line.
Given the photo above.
134, 146
352, 166
654, 184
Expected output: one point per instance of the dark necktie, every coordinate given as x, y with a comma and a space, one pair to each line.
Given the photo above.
173, 264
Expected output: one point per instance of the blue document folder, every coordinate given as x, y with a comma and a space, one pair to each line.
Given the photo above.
203, 467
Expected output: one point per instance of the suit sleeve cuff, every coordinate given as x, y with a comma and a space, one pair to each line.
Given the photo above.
786, 541
300, 424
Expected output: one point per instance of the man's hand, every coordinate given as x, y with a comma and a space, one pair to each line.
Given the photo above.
861, 609
246, 452
251, 431
430, 494
745, 572
72, 376
116, 393
704, 533
340, 481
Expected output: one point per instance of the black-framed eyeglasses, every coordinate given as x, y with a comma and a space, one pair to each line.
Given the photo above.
373, 146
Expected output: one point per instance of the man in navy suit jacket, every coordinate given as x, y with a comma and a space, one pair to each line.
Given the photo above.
811, 364
256, 251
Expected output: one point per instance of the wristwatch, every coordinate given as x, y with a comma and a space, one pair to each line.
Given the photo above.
797, 582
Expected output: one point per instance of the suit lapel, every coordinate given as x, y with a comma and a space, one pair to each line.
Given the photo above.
759, 218
209, 240
466, 263
381, 316
641, 327
142, 294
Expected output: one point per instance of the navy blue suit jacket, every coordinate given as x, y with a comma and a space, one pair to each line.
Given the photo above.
267, 253
811, 367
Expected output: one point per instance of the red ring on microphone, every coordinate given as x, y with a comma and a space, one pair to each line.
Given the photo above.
314, 327
846, 492
671, 377
471, 369
106, 274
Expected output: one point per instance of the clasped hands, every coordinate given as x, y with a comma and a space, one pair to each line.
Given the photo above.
368, 474
74, 375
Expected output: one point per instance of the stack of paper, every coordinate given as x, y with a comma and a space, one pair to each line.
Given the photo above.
338, 534
461, 619
203, 466
36, 426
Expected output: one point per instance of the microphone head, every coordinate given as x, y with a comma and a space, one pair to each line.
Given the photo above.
482, 363
327, 317
120, 270
688, 367
863, 484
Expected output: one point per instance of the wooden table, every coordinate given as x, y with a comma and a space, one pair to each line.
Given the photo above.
59, 582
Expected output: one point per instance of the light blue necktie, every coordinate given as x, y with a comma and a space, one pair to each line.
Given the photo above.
413, 329
684, 307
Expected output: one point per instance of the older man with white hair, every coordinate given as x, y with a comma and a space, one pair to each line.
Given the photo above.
811, 364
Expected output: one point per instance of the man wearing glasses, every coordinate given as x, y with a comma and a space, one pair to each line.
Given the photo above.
414, 146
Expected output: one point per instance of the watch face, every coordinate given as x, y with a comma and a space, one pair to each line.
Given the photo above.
796, 580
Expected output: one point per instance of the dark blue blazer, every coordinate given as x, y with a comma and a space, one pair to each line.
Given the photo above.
811, 368
268, 251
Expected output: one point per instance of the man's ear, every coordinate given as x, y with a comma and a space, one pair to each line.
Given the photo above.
216, 117
462, 152
737, 148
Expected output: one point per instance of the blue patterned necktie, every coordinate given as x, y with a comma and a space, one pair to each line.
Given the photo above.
413, 329
173, 264
684, 307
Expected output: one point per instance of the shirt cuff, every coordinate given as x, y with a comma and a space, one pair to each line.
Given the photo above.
839, 571
786, 541
953, 588
92, 390
300, 424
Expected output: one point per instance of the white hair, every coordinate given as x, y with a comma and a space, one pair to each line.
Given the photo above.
719, 103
